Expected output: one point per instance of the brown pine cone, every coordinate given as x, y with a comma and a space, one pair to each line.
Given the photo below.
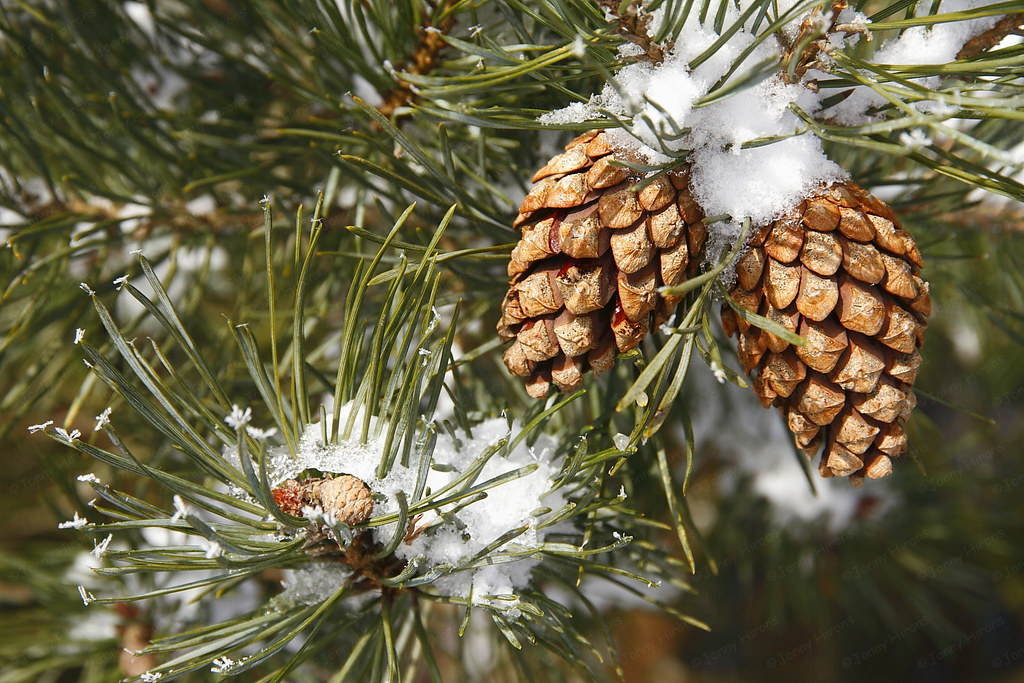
584, 278
840, 272
346, 496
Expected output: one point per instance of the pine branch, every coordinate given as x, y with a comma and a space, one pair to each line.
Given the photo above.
250, 522
335, 342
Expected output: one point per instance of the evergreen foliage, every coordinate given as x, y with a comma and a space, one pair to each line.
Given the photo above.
303, 208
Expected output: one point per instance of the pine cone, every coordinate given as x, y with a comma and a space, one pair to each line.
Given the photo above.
584, 277
346, 496
840, 272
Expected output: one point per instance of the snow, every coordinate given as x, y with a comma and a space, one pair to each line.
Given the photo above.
211, 549
936, 44
102, 419
69, 437
95, 625
759, 183
238, 417
86, 596
32, 429
140, 14
665, 119
100, 549
181, 508
223, 665
203, 204
462, 532
315, 582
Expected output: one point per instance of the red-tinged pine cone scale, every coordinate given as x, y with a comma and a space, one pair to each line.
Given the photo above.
344, 496
593, 251
840, 272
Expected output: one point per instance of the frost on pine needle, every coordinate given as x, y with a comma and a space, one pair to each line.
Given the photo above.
100, 549
75, 523
238, 417
86, 596
102, 419
181, 508
211, 549
32, 429
261, 434
69, 437
222, 665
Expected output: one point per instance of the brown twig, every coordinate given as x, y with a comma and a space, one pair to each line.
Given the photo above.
632, 24
422, 61
1012, 24
811, 51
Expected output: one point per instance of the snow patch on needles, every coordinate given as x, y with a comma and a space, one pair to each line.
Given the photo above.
506, 507
935, 44
782, 162
315, 582
464, 531
759, 183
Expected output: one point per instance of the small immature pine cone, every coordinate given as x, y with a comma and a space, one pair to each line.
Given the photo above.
840, 272
584, 277
291, 497
346, 496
